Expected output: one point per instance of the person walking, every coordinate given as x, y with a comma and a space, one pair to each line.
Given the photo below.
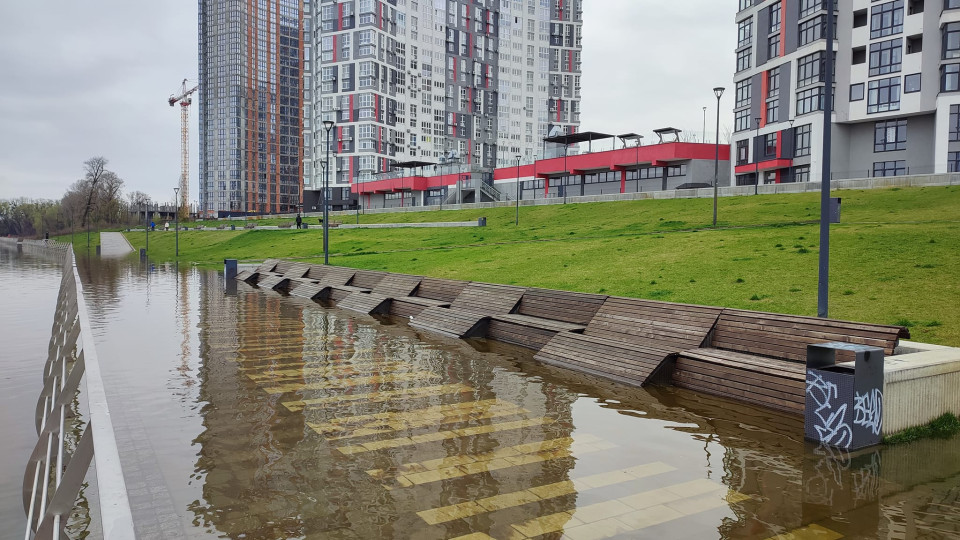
299, 221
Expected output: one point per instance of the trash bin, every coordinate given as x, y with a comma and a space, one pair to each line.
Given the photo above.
844, 401
482, 222
233, 227
229, 268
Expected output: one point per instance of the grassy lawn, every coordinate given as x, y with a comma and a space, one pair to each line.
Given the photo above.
895, 258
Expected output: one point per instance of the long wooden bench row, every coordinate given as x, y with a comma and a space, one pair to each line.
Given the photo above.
745, 355
761, 357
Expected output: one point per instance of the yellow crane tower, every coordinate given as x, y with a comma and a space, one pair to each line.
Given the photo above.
184, 99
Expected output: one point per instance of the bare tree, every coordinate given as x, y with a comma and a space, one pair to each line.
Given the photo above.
93, 170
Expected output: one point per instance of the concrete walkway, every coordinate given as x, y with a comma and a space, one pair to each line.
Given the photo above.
113, 244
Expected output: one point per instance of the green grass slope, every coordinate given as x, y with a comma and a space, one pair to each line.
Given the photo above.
895, 258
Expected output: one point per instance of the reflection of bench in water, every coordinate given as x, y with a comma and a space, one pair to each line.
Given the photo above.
745, 355
761, 357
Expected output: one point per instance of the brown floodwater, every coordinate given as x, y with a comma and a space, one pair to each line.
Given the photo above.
246, 414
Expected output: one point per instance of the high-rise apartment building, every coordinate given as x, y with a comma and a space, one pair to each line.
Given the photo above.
251, 99
475, 82
897, 89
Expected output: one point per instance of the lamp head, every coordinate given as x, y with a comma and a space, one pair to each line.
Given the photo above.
328, 124
718, 91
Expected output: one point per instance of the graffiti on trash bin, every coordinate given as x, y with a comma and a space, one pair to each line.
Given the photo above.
831, 425
868, 410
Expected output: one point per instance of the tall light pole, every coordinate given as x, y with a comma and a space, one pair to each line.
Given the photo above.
824, 278
718, 91
327, 125
518, 190
756, 159
704, 125
176, 218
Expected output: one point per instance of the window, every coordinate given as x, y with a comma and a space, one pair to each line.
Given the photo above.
856, 92
951, 40
954, 123
801, 140
883, 95
773, 107
773, 46
744, 91
886, 19
774, 18
773, 82
911, 83
890, 135
741, 120
810, 100
743, 59
801, 174
890, 168
770, 145
815, 28
809, 7
953, 161
950, 78
809, 69
885, 56
951, 4
744, 4
745, 33
743, 152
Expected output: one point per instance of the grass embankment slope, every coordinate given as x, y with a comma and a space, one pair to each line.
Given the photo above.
895, 258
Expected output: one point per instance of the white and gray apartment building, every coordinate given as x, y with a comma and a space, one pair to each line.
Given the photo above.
897, 89
481, 81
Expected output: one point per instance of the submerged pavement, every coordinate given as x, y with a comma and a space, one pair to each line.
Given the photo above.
113, 244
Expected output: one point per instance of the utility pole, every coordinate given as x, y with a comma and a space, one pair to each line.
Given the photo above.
823, 281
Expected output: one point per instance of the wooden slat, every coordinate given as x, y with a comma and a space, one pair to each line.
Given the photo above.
540, 323
337, 275
267, 265
447, 321
440, 289
617, 360
522, 335
365, 303
306, 289
397, 285
245, 275
560, 305
487, 298
367, 279
271, 281
403, 308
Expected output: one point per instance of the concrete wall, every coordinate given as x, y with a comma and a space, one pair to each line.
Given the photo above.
920, 384
856, 154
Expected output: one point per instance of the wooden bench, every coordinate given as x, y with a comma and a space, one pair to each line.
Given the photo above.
285, 226
363, 281
265, 267
291, 275
250, 226
379, 299
431, 292
630, 339
468, 313
761, 357
318, 280
543, 313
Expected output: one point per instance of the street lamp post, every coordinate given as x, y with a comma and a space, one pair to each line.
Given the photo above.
176, 218
704, 125
718, 91
756, 159
823, 279
518, 190
327, 125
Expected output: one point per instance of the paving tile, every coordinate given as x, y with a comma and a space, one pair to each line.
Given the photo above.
556, 489
810, 532
449, 513
604, 528
379, 397
507, 500
653, 515
600, 511
546, 524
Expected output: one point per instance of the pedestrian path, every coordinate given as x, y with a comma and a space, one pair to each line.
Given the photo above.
113, 244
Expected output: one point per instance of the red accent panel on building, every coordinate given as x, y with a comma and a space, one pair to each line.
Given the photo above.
765, 166
764, 88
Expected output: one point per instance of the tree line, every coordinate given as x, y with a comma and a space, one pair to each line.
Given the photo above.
96, 200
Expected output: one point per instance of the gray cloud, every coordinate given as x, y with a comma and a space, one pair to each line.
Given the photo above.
79, 79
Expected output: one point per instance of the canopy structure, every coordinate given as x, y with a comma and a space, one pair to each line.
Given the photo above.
630, 137
576, 138
668, 131
412, 164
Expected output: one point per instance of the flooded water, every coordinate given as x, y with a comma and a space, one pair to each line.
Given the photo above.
245, 414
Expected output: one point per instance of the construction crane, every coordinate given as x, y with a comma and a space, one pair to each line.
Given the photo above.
184, 99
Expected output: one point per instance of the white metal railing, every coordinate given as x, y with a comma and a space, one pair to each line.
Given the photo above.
55, 471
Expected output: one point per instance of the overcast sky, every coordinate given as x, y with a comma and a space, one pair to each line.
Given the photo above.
81, 79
